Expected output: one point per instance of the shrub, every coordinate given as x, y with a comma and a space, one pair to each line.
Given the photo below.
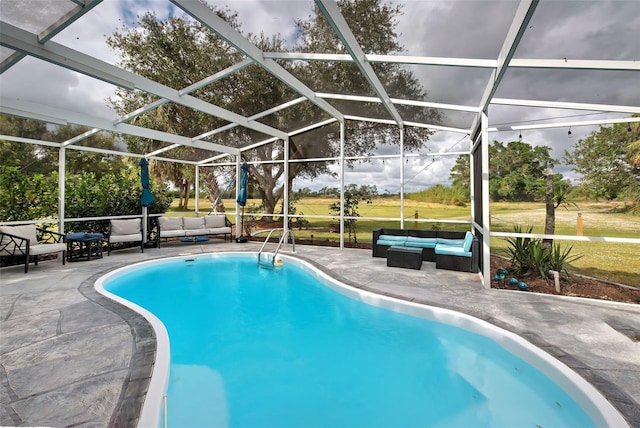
531, 256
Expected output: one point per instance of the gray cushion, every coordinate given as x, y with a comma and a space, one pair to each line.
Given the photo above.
170, 223
125, 227
213, 221
193, 223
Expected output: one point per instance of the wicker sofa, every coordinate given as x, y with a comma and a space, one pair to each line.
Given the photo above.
450, 250
180, 227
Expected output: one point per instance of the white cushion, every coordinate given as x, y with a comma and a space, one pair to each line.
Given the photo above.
125, 227
217, 230
126, 238
171, 233
36, 250
192, 223
211, 221
27, 231
170, 224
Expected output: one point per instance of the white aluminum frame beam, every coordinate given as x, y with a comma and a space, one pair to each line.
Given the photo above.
566, 105
523, 15
564, 124
92, 149
332, 13
33, 110
72, 16
462, 62
254, 117
137, 112
69, 18
389, 59
209, 19
588, 64
21, 40
399, 101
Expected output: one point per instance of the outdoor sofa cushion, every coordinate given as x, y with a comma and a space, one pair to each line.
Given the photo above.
171, 227
193, 226
125, 230
413, 241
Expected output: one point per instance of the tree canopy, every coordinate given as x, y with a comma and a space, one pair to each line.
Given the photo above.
516, 171
179, 52
40, 159
607, 161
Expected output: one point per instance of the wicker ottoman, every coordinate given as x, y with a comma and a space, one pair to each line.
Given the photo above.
404, 257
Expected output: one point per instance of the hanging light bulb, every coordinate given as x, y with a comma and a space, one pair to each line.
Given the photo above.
520, 136
569, 133
628, 127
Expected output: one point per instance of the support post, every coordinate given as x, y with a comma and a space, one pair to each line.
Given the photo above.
486, 215
342, 184
401, 178
285, 199
62, 161
197, 191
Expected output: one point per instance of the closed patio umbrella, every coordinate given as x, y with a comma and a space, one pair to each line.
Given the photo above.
147, 197
242, 197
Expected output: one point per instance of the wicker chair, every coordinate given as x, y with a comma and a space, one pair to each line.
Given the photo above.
29, 241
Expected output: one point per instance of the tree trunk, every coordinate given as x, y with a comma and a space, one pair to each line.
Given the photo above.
550, 221
187, 188
215, 192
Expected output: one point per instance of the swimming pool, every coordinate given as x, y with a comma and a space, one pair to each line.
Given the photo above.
292, 347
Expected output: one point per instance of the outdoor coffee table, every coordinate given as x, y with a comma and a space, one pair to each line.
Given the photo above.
404, 257
84, 246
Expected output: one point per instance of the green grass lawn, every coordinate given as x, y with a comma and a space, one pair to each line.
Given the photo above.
616, 262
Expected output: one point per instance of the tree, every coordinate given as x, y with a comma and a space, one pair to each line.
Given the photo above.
40, 159
353, 195
461, 175
516, 171
80, 161
373, 24
605, 161
177, 53
28, 158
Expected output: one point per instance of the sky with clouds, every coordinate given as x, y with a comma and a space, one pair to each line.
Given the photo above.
574, 29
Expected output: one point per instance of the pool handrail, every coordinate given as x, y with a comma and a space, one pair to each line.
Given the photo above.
280, 242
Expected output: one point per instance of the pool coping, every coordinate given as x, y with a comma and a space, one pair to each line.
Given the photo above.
134, 388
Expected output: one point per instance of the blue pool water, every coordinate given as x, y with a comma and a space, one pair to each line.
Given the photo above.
253, 347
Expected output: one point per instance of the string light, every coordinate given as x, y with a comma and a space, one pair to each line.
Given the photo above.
520, 136
569, 133
628, 127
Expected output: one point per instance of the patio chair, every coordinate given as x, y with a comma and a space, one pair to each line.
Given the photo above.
120, 231
29, 241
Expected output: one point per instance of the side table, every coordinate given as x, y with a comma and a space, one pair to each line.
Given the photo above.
84, 246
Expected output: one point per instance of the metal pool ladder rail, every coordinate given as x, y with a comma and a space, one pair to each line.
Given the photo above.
275, 253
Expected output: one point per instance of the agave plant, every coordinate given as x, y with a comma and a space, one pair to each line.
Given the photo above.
560, 260
539, 258
519, 251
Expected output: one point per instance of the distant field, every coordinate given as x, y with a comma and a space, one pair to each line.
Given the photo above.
611, 261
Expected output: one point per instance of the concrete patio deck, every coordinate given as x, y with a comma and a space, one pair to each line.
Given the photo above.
70, 357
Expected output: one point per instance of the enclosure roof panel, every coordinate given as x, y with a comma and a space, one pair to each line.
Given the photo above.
532, 57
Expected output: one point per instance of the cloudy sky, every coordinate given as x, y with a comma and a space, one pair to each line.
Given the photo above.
573, 29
